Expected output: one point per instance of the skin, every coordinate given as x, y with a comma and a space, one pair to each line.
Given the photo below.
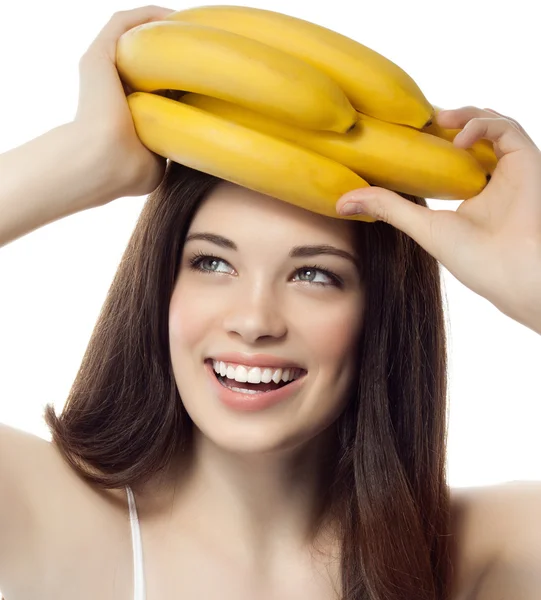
234, 521
257, 477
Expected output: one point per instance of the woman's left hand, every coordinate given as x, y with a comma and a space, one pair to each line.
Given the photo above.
492, 242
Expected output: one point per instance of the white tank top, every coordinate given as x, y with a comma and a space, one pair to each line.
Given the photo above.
139, 592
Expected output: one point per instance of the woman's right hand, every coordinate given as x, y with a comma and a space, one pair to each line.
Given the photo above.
104, 111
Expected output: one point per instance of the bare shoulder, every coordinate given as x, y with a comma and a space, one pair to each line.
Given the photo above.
508, 515
498, 528
17, 520
37, 484
51, 516
35, 466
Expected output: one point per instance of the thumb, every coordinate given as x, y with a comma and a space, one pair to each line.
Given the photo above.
387, 206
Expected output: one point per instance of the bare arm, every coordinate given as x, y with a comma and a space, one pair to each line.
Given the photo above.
82, 164
90, 161
51, 177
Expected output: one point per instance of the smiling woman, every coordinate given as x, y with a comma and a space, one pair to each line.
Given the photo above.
244, 285
224, 292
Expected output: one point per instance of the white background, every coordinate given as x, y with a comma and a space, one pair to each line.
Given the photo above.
53, 281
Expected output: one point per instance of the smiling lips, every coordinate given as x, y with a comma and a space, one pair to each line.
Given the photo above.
255, 375
256, 360
252, 388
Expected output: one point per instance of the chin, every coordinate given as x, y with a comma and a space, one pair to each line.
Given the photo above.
255, 438
288, 423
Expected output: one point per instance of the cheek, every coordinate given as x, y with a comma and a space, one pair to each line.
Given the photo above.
334, 342
186, 323
331, 337
334, 335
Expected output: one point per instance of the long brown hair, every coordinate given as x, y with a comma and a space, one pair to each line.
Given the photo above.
124, 421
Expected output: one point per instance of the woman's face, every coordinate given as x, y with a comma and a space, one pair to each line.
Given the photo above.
258, 299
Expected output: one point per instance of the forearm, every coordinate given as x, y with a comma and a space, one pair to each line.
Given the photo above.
528, 315
48, 178
533, 319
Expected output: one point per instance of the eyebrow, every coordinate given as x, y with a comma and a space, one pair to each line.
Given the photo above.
295, 252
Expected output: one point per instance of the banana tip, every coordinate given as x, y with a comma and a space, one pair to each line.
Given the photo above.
351, 127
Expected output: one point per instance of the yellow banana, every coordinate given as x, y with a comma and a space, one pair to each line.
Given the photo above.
384, 154
183, 56
482, 150
375, 85
258, 161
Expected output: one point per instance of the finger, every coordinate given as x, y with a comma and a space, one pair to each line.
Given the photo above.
498, 113
513, 121
439, 232
458, 118
99, 80
121, 22
505, 137
388, 206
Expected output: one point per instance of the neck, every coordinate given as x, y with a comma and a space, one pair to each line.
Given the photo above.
257, 507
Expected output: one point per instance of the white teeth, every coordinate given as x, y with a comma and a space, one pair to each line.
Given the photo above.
242, 373
254, 376
244, 390
266, 375
277, 375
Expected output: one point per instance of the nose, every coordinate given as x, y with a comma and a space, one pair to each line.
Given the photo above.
254, 313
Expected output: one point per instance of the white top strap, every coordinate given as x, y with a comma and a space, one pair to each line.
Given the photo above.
139, 592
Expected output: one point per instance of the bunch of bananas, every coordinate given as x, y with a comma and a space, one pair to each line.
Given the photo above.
290, 109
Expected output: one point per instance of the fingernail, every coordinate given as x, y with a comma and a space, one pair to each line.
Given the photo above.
352, 208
